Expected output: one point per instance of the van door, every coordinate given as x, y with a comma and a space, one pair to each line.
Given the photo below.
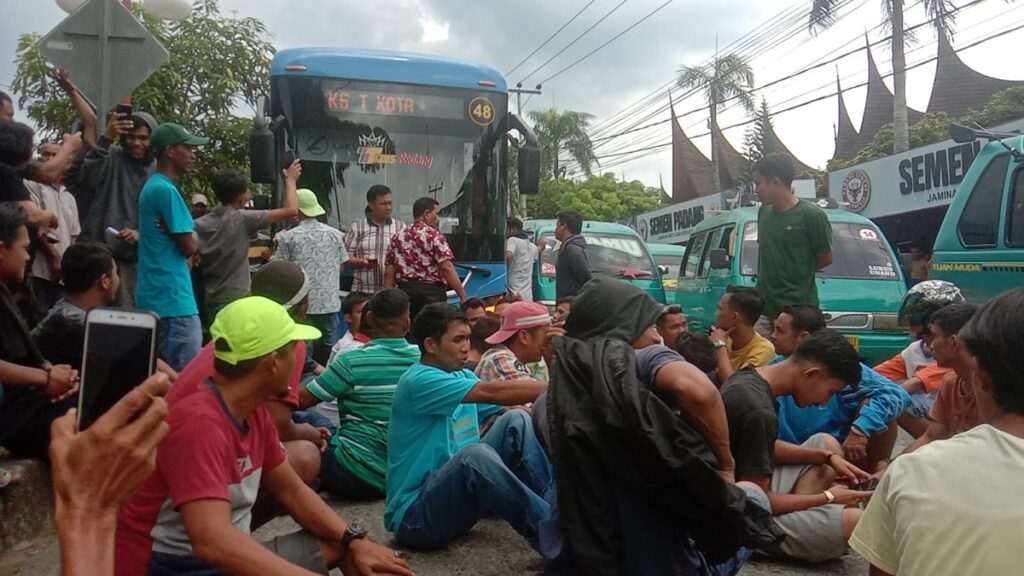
688, 292
720, 279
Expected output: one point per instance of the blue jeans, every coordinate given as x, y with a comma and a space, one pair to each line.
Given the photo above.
331, 328
180, 339
506, 474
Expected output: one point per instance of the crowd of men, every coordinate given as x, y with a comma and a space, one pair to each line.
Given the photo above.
609, 436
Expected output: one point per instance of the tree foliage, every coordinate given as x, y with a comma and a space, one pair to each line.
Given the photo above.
559, 132
218, 64
603, 198
760, 139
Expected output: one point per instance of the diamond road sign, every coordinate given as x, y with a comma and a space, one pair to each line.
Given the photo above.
105, 50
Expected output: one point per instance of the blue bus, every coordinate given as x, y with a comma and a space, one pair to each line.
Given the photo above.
421, 125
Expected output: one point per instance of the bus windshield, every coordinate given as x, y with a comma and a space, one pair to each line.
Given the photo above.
858, 250
609, 254
445, 143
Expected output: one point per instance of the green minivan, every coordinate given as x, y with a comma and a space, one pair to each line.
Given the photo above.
860, 292
614, 250
980, 246
669, 258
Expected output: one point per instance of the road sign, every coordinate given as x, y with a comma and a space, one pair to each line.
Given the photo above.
106, 51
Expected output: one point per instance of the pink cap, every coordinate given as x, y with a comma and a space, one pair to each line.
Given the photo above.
519, 316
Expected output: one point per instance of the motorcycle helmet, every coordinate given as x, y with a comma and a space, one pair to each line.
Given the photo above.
921, 301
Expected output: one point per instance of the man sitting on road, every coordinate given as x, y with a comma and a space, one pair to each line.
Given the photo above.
736, 343
801, 481
475, 310
862, 416
191, 516
948, 509
671, 324
442, 477
352, 308
363, 382
958, 406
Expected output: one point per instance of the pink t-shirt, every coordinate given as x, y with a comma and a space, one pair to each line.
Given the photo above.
208, 455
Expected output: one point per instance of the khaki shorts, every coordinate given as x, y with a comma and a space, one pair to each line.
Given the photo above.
814, 535
301, 549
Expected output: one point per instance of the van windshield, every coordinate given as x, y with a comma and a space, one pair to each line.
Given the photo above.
858, 250
610, 254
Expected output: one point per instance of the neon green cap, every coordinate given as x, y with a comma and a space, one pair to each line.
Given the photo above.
308, 204
253, 327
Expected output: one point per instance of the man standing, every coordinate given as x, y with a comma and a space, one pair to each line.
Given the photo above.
224, 234
200, 206
15, 155
191, 516
795, 240
420, 262
46, 270
368, 239
520, 255
944, 510
110, 184
320, 250
671, 324
808, 504
442, 478
166, 245
737, 344
572, 269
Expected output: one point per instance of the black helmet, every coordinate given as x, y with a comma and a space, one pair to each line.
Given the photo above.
925, 298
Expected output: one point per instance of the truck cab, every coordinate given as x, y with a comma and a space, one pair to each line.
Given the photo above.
980, 245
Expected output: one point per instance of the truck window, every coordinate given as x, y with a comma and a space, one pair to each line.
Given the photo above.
1015, 213
694, 253
980, 218
860, 251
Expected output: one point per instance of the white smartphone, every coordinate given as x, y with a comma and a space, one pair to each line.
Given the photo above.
120, 353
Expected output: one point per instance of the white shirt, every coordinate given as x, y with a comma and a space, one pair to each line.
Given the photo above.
520, 273
63, 204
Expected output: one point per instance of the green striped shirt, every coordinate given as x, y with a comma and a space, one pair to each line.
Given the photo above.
364, 381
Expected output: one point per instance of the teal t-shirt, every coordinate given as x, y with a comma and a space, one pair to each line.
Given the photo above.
164, 283
429, 425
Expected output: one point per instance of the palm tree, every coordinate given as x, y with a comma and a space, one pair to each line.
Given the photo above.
563, 132
724, 78
942, 15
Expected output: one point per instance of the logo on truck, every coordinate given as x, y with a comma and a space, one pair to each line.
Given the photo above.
856, 190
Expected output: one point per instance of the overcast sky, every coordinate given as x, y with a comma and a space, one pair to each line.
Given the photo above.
502, 32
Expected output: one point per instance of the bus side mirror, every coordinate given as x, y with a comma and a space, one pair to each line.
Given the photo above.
529, 157
719, 259
261, 154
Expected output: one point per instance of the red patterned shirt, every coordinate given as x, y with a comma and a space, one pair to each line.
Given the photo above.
417, 253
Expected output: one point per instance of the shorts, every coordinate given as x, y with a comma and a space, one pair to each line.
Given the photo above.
816, 534
921, 404
301, 549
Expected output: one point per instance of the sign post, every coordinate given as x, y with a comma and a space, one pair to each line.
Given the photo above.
106, 51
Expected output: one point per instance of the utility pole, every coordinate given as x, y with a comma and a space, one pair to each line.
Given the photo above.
519, 91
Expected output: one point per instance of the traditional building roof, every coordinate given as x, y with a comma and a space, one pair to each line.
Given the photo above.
957, 87
692, 172
846, 135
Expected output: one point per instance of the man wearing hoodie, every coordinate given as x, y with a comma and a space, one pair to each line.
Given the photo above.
111, 180
573, 266
520, 254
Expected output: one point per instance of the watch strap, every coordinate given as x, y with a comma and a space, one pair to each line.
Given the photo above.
831, 497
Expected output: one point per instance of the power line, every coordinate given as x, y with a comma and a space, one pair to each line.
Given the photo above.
550, 38
613, 39
575, 40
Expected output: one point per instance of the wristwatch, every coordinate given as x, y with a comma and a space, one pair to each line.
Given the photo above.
831, 497
718, 344
353, 532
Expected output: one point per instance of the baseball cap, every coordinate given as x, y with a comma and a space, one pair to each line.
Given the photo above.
308, 204
200, 199
171, 134
281, 281
253, 327
519, 316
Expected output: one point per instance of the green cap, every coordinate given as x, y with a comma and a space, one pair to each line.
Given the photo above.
308, 204
171, 134
253, 327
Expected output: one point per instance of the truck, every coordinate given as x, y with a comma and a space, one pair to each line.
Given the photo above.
422, 125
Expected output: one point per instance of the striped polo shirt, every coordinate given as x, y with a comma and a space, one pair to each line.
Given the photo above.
364, 382
366, 239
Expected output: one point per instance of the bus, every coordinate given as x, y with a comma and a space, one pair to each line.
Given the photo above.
421, 125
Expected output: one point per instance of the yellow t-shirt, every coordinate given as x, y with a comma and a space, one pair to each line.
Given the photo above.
758, 352
950, 508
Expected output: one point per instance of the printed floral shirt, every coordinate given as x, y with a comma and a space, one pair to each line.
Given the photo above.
320, 250
417, 254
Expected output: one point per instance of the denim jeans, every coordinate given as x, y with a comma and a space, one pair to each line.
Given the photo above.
331, 328
506, 474
180, 339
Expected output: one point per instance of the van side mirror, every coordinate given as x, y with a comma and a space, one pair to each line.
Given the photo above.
663, 270
962, 134
719, 259
529, 156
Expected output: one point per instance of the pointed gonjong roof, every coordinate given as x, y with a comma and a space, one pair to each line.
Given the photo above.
958, 87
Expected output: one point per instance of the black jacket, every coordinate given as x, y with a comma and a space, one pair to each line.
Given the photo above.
611, 435
572, 270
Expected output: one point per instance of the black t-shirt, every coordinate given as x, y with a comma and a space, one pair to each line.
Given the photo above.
753, 416
12, 187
